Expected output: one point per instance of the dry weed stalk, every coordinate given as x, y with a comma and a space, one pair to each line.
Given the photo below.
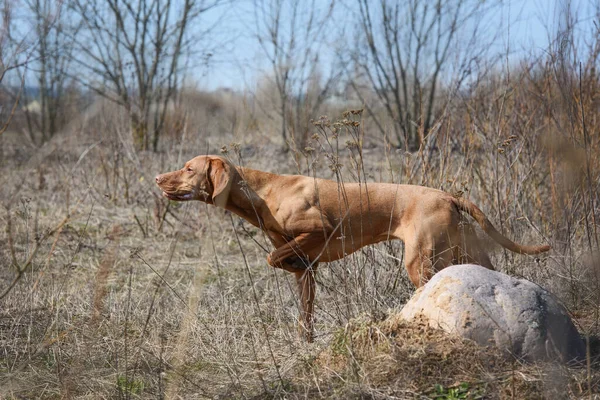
178, 363
104, 269
19, 267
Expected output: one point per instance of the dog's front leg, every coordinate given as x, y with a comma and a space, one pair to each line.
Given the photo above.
305, 280
292, 255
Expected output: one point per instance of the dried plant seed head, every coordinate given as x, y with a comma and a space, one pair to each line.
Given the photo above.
236, 146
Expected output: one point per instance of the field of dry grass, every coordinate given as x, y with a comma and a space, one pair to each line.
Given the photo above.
110, 291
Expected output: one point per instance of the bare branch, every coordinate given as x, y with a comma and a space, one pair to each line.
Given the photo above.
408, 48
21, 268
291, 35
131, 51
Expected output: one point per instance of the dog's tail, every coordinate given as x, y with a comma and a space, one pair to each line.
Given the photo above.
478, 215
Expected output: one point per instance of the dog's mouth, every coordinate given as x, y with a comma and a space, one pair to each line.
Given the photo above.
179, 197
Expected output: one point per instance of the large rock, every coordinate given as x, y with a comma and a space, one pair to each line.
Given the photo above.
490, 307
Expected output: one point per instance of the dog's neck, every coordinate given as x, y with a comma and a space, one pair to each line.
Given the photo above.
245, 199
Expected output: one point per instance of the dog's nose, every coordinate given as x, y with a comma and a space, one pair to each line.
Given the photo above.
158, 179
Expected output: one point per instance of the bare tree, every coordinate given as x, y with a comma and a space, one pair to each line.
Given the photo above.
15, 53
52, 60
130, 52
291, 34
409, 46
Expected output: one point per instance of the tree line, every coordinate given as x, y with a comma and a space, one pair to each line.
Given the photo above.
404, 61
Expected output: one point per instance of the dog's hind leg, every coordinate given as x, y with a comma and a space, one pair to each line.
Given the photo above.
425, 256
471, 250
418, 263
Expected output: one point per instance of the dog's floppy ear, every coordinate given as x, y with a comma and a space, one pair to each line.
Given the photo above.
220, 172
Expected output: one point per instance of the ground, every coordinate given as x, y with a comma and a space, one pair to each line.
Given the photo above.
109, 290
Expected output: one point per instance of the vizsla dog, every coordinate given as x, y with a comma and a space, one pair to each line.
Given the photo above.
311, 220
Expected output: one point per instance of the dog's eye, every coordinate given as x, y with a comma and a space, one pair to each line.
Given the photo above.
188, 169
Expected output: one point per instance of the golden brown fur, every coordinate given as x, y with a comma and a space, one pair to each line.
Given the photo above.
316, 220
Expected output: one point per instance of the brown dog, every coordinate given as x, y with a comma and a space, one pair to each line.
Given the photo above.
312, 220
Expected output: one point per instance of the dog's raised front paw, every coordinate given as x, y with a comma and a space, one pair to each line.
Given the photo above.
298, 262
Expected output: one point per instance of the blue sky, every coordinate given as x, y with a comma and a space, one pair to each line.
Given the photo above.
525, 25
239, 63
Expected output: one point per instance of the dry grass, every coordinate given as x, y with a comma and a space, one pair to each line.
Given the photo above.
390, 358
135, 297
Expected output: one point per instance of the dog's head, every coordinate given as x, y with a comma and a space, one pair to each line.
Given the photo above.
204, 178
